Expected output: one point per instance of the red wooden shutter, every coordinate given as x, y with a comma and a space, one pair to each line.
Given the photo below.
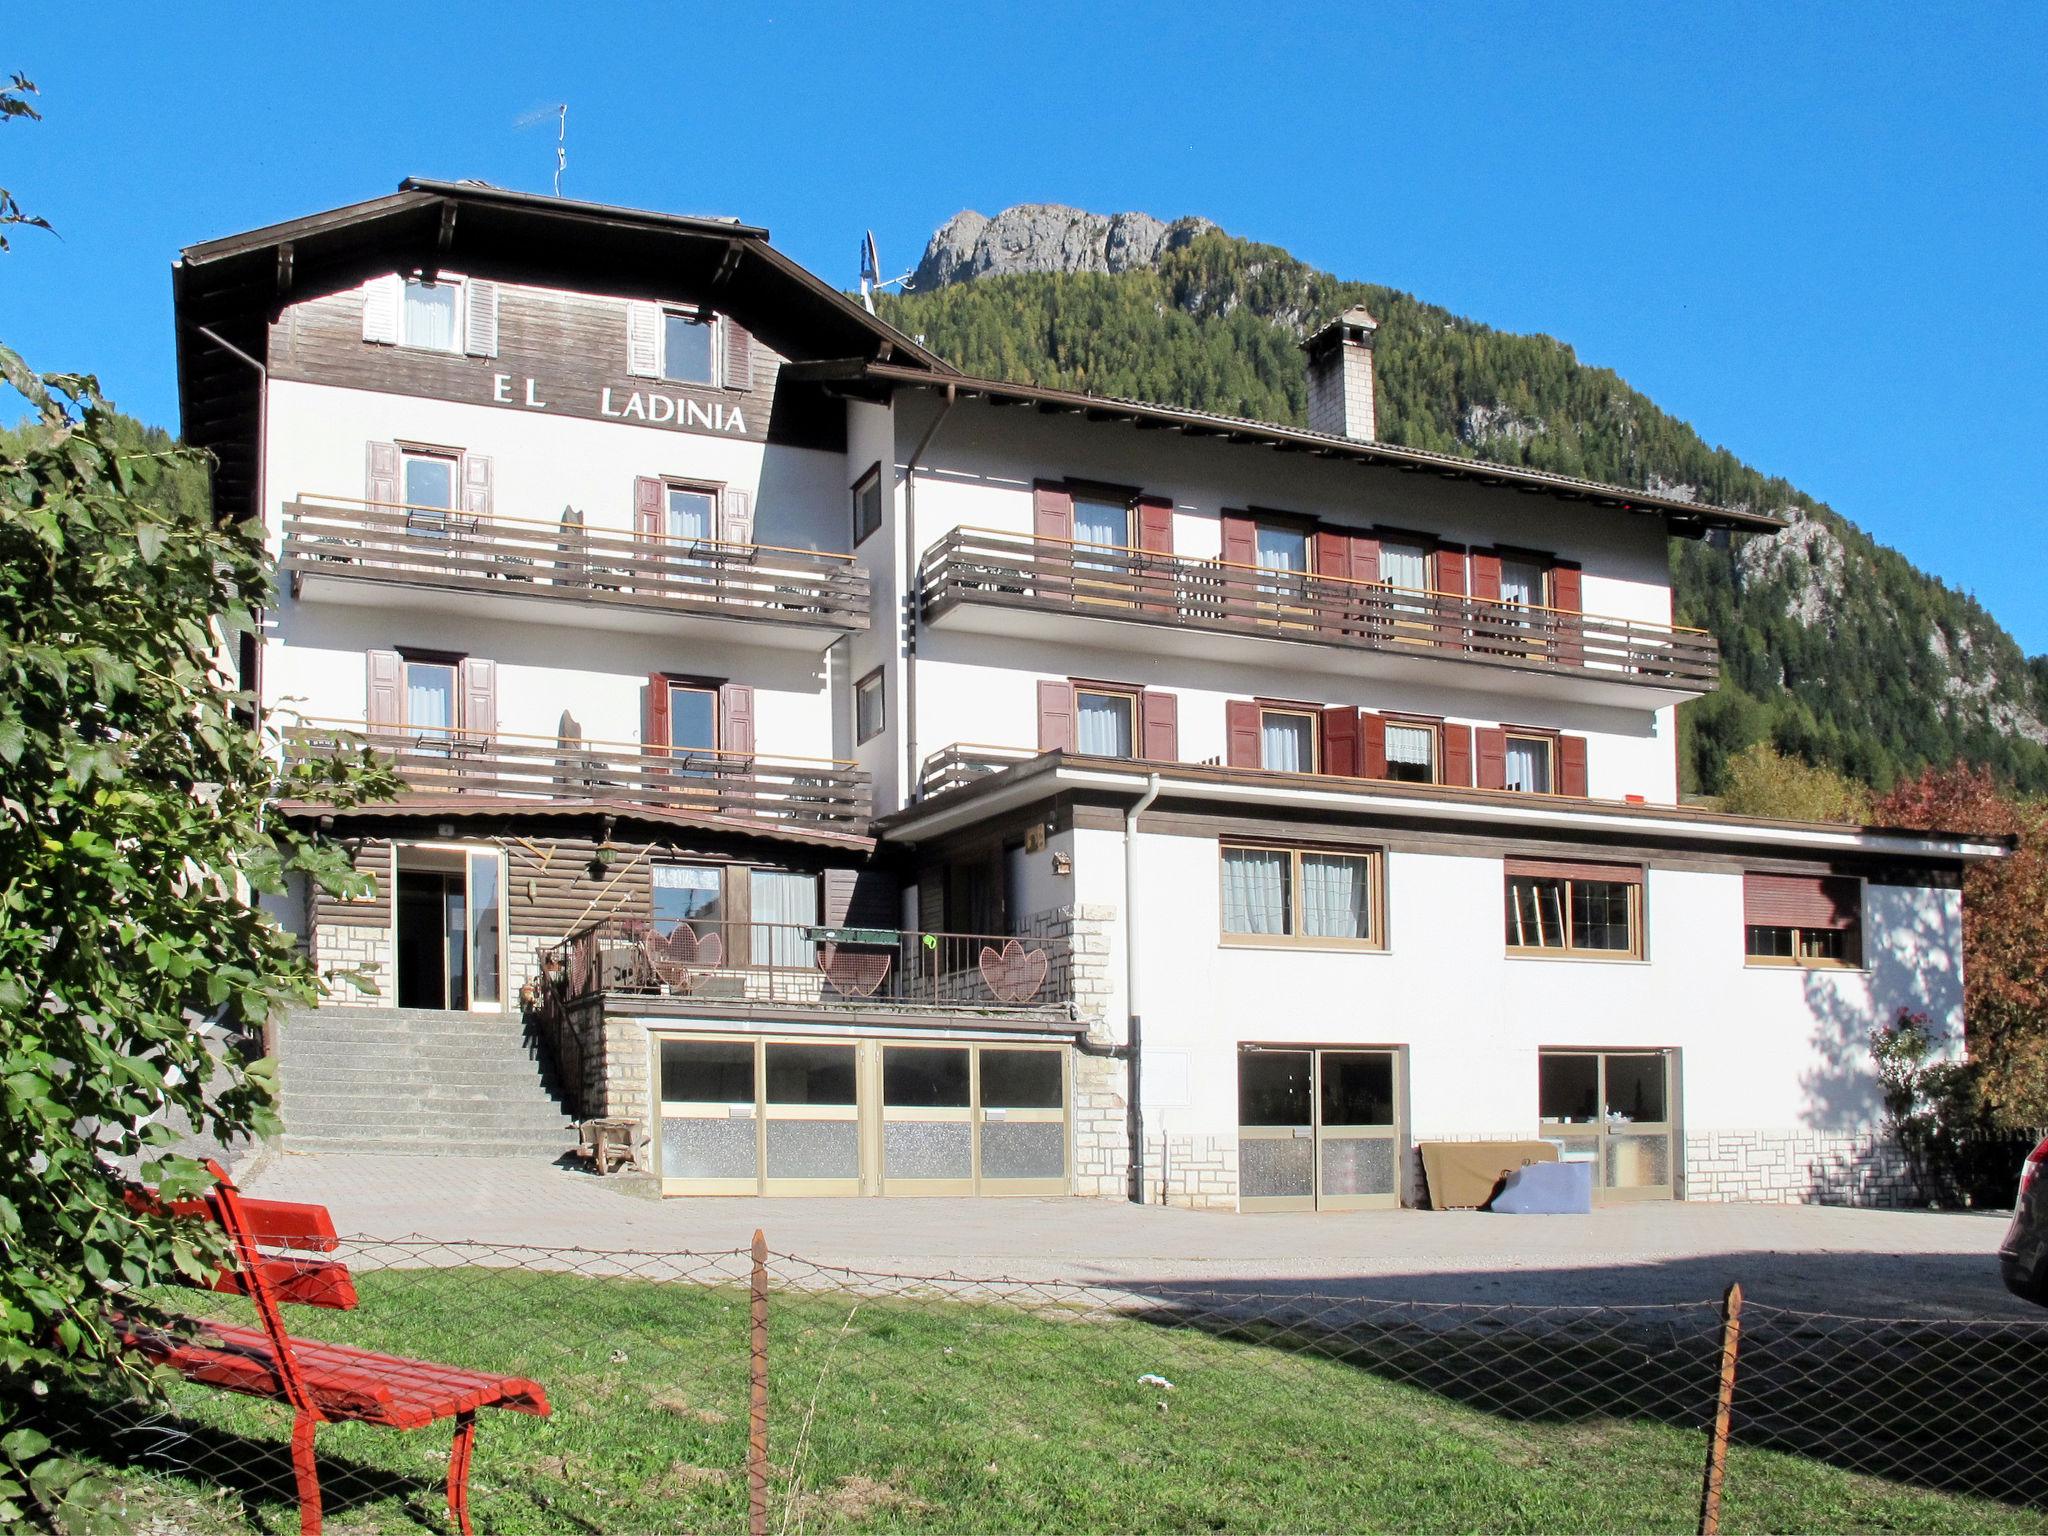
1372, 745
1457, 766
1801, 901
1485, 574
1450, 572
1365, 557
479, 687
1241, 734
1159, 725
1490, 744
1340, 742
647, 506
381, 489
654, 732
476, 484
1240, 539
1565, 597
1052, 511
1155, 525
736, 721
1055, 716
739, 355
1333, 553
1571, 766
385, 707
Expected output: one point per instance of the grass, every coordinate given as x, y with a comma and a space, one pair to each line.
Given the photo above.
894, 1415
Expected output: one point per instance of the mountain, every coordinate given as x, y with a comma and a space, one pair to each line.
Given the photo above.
1836, 648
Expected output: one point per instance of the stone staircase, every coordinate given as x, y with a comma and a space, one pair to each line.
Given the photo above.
416, 1080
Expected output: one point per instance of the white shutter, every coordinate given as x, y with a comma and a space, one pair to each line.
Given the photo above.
643, 340
480, 318
380, 309
735, 517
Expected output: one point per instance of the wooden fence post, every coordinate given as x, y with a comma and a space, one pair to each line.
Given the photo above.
757, 1394
1717, 1444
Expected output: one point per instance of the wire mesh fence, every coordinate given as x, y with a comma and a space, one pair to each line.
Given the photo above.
894, 1402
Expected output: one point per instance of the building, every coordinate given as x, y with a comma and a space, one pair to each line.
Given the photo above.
871, 779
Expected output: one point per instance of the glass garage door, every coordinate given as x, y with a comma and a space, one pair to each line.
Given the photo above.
1318, 1129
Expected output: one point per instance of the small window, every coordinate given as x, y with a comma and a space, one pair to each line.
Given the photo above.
1105, 723
1287, 740
692, 514
429, 481
430, 698
1521, 583
867, 504
1588, 913
1769, 944
687, 893
867, 707
692, 718
1802, 920
1100, 523
1304, 895
687, 353
1404, 565
430, 315
1282, 548
1529, 764
1411, 753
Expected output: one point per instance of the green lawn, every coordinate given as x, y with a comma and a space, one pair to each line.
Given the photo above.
931, 1416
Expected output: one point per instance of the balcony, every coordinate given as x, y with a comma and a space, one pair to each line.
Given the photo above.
980, 582
798, 792
747, 966
755, 594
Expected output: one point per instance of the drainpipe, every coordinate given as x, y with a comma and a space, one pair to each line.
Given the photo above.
911, 599
254, 681
1134, 1031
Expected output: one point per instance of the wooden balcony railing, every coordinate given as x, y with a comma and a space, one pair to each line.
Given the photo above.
1057, 576
817, 792
457, 551
812, 966
962, 762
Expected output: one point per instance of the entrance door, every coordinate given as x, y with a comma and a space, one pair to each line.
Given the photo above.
448, 917
1318, 1129
1614, 1109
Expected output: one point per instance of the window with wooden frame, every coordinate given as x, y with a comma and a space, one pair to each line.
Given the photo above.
1288, 738
431, 695
1810, 921
1563, 909
1530, 765
1101, 719
707, 722
1412, 750
1277, 893
868, 701
429, 478
685, 893
867, 503
689, 345
430, 314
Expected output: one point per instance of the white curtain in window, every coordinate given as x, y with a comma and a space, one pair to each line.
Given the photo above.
1334, 897
1287, 743
1403, 565
691, 515
784, 903
1103, 524
1520, 583
430, 315
1254, 890
1413, 744
430, 699
1528, 766
1104, 726
1283, 549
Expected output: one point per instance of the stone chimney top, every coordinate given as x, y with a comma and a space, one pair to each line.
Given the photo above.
1340, 385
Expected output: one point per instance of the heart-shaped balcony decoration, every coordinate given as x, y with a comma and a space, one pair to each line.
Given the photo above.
1013, 973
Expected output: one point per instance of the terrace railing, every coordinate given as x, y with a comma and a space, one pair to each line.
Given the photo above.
812, 791
460, 551
970, 565
808, 965
965, 761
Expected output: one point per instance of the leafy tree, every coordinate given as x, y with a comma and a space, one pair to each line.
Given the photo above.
14, 102
2005, 932
1762, 781
135, 847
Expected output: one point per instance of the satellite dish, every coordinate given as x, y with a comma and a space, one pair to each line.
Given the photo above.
871, 279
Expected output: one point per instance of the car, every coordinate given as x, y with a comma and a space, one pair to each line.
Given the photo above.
2023, 1256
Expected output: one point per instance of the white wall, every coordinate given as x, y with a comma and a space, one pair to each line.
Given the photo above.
1760, 1048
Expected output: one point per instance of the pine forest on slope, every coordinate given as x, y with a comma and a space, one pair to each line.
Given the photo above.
1836, 648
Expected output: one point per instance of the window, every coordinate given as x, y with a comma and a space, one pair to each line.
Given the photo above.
1574, 909
785, 912
692, 718
1802, 920
430, 315
867, 504
690, 514
1282, 548
1287, 740
1100, 523
1105, 723
1521, 581
1411, 753
687, 893
1404, 565
1304, 895
1529, 766
867, 707
430, 697
429, 480
687, 353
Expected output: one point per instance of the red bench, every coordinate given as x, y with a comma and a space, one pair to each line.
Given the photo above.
323, 1383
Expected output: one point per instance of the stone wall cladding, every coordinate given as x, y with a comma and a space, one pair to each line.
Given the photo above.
1199, 1172
1797, 1168
1101, 1127
355, 947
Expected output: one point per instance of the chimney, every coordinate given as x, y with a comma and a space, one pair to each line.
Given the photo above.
1340, 399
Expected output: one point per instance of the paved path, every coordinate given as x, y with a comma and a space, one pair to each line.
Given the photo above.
1875, 1262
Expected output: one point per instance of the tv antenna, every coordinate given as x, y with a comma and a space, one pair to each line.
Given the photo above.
560, 113
871, 279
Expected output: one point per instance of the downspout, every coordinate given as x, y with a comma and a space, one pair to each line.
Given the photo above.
1134, 1031
912, 600
254, 681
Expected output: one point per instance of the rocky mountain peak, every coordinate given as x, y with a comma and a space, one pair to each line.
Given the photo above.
1046, 237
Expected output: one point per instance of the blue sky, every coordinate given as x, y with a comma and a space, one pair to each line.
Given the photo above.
1816, 232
